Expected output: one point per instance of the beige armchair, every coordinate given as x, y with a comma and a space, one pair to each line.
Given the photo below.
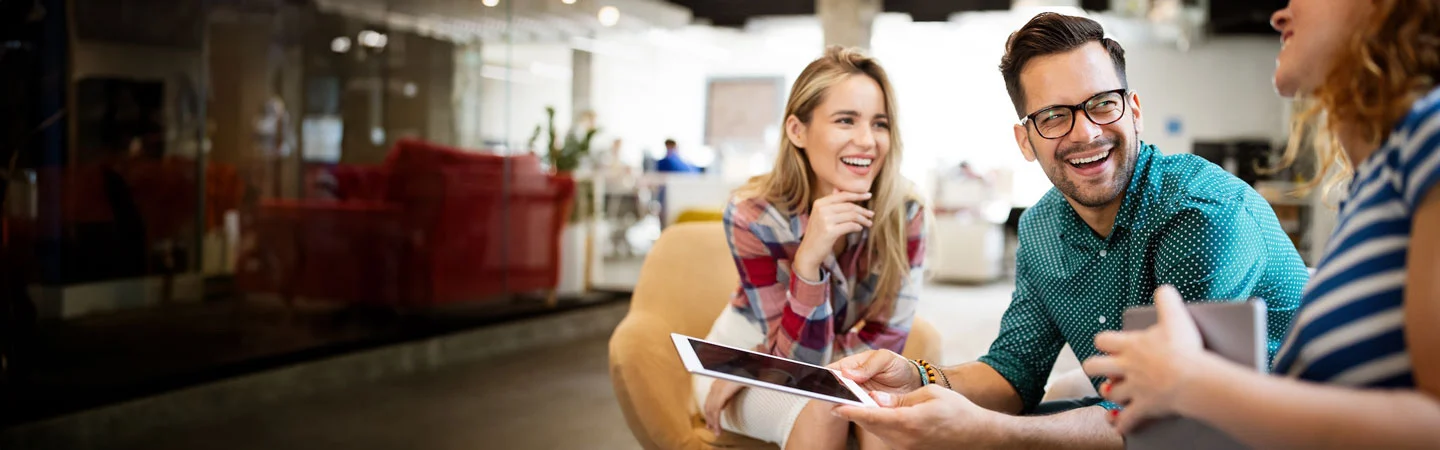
687, 279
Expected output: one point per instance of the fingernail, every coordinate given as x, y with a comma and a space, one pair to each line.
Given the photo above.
1114, 413
868, 195
1105, 389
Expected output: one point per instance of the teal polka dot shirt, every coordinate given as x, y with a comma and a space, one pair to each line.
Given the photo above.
1184, 222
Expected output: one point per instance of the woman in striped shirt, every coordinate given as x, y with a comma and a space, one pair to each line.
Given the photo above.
829, 246
1360, 367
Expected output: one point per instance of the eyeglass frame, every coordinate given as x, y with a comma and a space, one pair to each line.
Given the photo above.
1077, 108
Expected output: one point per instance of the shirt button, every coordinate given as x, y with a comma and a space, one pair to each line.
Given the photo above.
1102, 319
1103, 253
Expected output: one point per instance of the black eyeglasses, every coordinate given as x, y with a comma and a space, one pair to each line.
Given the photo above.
1054, 122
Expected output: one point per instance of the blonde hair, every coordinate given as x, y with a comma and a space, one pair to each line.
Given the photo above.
790, 187
1386, 65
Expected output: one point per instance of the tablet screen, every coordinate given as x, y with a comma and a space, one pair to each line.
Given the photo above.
770, 370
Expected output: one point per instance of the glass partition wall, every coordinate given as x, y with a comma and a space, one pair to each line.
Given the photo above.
201, 188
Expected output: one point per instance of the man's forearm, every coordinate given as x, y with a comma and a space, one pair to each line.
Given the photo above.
1083, 428
981, 384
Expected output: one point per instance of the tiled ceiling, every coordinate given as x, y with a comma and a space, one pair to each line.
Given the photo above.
1228, 16
520, 20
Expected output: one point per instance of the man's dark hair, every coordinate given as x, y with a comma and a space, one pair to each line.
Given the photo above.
668, 143
1047, 34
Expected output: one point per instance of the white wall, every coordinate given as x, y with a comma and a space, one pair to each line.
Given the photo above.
514, 100
652, 86
952, 100
953, 103
1218, 90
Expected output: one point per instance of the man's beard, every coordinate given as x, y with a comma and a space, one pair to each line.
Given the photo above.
1123, 155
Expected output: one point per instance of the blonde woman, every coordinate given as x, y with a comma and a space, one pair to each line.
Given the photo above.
1360, 367
830, 250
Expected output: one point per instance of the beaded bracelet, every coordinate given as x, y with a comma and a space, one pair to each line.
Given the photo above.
930, 372
927, 372
924, 381
943, 378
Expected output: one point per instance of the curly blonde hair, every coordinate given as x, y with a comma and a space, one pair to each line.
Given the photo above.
1386, 65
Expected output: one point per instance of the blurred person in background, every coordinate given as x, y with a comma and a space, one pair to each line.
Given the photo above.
967, 172
272, 146
1121, 220
830, 249
1361, 367
962, 191
612, 166
622, 198
672, 162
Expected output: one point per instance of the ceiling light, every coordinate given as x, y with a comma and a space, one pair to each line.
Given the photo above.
340, 44
609, 16
372, 39
490, 3
568, 2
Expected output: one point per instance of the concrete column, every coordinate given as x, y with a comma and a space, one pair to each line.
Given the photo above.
581, 80
469, 100
847, 22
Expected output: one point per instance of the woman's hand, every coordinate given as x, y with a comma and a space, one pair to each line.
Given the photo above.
831, 218
721, 392
1149, 370
880, 371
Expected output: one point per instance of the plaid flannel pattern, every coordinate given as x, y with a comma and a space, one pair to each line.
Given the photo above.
826, 320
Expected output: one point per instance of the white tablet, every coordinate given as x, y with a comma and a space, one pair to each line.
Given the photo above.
764, 371
1233, 330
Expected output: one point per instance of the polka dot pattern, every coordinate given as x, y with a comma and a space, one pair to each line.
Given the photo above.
1184, 222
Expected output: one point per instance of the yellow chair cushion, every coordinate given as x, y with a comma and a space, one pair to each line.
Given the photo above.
700, 215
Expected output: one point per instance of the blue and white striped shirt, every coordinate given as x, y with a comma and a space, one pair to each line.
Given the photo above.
1351, 326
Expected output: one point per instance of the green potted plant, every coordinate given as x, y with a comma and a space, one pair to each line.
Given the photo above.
565, 157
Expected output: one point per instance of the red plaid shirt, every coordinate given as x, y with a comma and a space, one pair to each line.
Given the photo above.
820, 322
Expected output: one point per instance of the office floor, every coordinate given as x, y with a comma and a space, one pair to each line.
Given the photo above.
556, 397
113, 358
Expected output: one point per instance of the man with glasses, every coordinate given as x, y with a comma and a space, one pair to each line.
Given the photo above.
1122, 220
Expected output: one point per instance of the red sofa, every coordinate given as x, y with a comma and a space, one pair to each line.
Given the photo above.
431, 225
103, 220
